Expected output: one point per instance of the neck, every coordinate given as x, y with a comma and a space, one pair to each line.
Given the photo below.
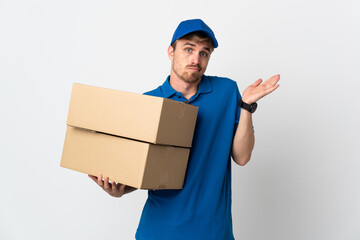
187, 89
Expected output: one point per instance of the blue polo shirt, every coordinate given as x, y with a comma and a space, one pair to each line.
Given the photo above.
202, 209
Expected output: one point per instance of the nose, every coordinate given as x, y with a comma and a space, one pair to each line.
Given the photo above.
195, 59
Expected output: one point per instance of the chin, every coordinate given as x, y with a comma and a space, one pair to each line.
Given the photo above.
192, 78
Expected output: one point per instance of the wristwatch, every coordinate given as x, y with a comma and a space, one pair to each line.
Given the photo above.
249, 107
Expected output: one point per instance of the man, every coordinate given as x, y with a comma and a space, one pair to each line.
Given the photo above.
202, 209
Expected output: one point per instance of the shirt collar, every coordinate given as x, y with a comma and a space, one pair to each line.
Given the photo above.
167, 89
204, 87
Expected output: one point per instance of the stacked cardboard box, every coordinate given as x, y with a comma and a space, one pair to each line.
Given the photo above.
137, 140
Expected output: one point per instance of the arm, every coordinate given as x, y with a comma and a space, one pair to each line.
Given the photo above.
113, 189
244, 139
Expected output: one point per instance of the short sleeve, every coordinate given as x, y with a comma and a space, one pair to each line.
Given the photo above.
238, 110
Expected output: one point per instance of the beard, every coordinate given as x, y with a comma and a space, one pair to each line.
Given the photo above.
189, 77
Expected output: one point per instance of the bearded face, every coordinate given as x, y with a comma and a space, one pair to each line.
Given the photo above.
189, 60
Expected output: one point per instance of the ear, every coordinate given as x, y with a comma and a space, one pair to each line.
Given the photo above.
170, 52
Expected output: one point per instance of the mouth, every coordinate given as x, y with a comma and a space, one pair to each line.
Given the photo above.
194, 68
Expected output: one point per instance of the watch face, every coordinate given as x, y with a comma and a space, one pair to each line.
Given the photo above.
253, 107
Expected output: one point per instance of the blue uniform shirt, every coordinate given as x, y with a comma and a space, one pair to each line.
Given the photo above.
202, 209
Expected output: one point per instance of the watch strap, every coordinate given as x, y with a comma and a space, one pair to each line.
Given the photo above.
249, 107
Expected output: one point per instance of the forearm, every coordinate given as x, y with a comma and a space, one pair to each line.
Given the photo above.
244, 139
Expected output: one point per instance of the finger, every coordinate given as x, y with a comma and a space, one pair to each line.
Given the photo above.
93, 178
272, 79
271, 89
275, 79
100, 181
113, 186
122, 188
275, 76
106, 183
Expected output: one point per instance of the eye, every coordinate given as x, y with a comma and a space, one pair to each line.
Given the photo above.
188, 49
203, 54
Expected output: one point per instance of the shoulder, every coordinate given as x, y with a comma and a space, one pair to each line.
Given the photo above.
222, 82
155, 92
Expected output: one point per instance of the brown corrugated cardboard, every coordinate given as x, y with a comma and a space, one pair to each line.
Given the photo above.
134, 163
131, 115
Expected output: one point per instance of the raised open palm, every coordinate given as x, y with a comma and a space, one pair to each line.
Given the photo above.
257, 90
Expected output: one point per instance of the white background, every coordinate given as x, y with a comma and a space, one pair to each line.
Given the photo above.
303, 180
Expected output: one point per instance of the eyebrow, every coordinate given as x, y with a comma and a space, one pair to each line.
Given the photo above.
193, 45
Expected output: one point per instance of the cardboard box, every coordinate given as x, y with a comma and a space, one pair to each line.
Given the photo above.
131, 115
134, 163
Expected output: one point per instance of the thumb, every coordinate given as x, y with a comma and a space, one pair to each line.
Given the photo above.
256, 83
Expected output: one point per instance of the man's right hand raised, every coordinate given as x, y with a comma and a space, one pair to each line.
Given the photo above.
112, 188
